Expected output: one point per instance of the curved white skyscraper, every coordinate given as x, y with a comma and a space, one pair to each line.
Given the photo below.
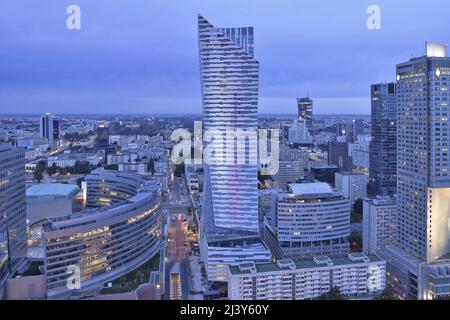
229, 80
229, 76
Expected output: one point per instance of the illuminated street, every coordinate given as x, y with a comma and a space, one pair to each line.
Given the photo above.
177, 244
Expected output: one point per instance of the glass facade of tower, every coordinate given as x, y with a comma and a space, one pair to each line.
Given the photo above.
383, 147
49, 128
423, 161
13, 227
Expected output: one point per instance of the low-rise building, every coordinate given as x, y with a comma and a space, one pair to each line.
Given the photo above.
69, 159
299, 133
218, 255
138, 167
355, 275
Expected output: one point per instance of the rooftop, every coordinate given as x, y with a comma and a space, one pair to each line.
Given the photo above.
308, 263
310, 188
382, 201
55, 190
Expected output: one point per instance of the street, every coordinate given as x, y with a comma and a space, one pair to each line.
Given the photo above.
177, 244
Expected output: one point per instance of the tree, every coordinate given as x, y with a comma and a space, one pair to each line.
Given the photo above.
40, 167
358, 206
68, 169
357, 211
38, 176
52, 170
82, 167
333, 294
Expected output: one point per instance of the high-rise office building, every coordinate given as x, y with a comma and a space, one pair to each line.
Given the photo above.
13, 213
338, 155
383, 147
346, 130
358, 129
56, 135
102, 138
230, 81
299, 133
49, 128
423, 155
4, 250
423, 173
305, 110
350, 129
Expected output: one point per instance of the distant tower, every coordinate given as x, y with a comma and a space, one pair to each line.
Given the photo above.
338, 155
305, 110
102, 138
383, 147
49, 128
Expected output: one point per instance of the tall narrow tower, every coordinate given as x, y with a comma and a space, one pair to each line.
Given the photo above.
383, 147
423, 154
422, 257
13, 225
229, 77
49, 128
305, 110
229, 80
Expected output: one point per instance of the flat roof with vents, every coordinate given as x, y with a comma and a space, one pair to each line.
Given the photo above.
305, 263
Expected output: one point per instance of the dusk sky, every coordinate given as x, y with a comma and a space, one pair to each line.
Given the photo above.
141, 56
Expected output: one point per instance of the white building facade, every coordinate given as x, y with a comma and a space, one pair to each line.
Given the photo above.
352, 185
230, 84
311, 220
356, 275
379, 223
299, 133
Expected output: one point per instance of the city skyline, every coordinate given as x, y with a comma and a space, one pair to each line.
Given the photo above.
235, 201
130, 67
